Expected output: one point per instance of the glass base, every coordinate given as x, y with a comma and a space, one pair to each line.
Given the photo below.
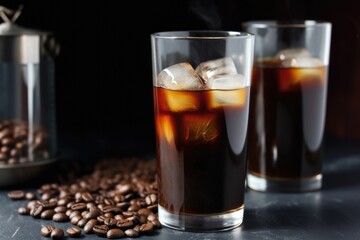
284, 185
201, 223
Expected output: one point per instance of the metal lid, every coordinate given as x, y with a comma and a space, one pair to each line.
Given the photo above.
18, 44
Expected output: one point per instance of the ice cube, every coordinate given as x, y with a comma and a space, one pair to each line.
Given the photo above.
226, 82
201, 128
302, 62
298, 58
293, 53
181, 76
308, 69
226, 98
217, 67
178, 101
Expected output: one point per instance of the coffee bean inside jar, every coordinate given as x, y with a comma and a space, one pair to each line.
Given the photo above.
19, 144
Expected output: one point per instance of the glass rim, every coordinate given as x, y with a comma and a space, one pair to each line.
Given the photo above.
202, 34
286, 23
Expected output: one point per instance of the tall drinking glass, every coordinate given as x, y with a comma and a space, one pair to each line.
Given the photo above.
201, 86
288, 104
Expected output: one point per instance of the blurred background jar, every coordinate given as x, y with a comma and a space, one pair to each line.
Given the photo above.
27, 95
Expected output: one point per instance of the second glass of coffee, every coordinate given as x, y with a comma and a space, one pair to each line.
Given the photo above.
201, 99
288, 104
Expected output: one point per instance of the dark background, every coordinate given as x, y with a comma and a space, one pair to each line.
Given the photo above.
103, 72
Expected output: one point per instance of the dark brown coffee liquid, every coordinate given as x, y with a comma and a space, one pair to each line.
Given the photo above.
201, 149
286, 122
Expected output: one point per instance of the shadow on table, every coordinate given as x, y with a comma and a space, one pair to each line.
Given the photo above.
312, 215
341, 164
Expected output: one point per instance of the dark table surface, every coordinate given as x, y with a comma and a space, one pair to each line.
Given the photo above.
331, 213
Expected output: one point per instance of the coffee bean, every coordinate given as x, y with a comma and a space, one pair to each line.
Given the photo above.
131, 233
78, 206
151, 199
60, 217
153, 207
3, 157
109, 215
73, 232
101, 218
75, 220
123, 205
119, 217
24, 211
112, 209
100, 230
46, 230
146, 227
16, 195
82, 222
133, 207
63, 201
12, 161
90, 225
93, 213
61, 209
57, 234
124, 224
74, 213
30, 196
110, 222
47, 214
137, 228
36, 210
142, 219
87, 197
144, 211
156, 223
32, 203
47, 204
83, 213
115, 233
90, 205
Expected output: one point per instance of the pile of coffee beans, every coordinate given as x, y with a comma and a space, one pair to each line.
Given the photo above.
14, 142
117, 199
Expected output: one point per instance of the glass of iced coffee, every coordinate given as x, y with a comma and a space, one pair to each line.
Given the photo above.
201, 87
288, 104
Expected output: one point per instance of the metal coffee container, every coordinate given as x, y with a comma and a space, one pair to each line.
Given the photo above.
27, 100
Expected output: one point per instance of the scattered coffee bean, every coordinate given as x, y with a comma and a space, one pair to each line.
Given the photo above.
24, 211
30, 196
82, 222
100, 230
16, 195
47, 214
36, 210
117, 199
156, 223
57, 234
90, 225
146, 227
60, 217
115, 233
75, 220
131, 233
124, 224
46, 230
73, 232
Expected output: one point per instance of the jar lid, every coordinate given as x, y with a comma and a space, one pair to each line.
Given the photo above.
18, 44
